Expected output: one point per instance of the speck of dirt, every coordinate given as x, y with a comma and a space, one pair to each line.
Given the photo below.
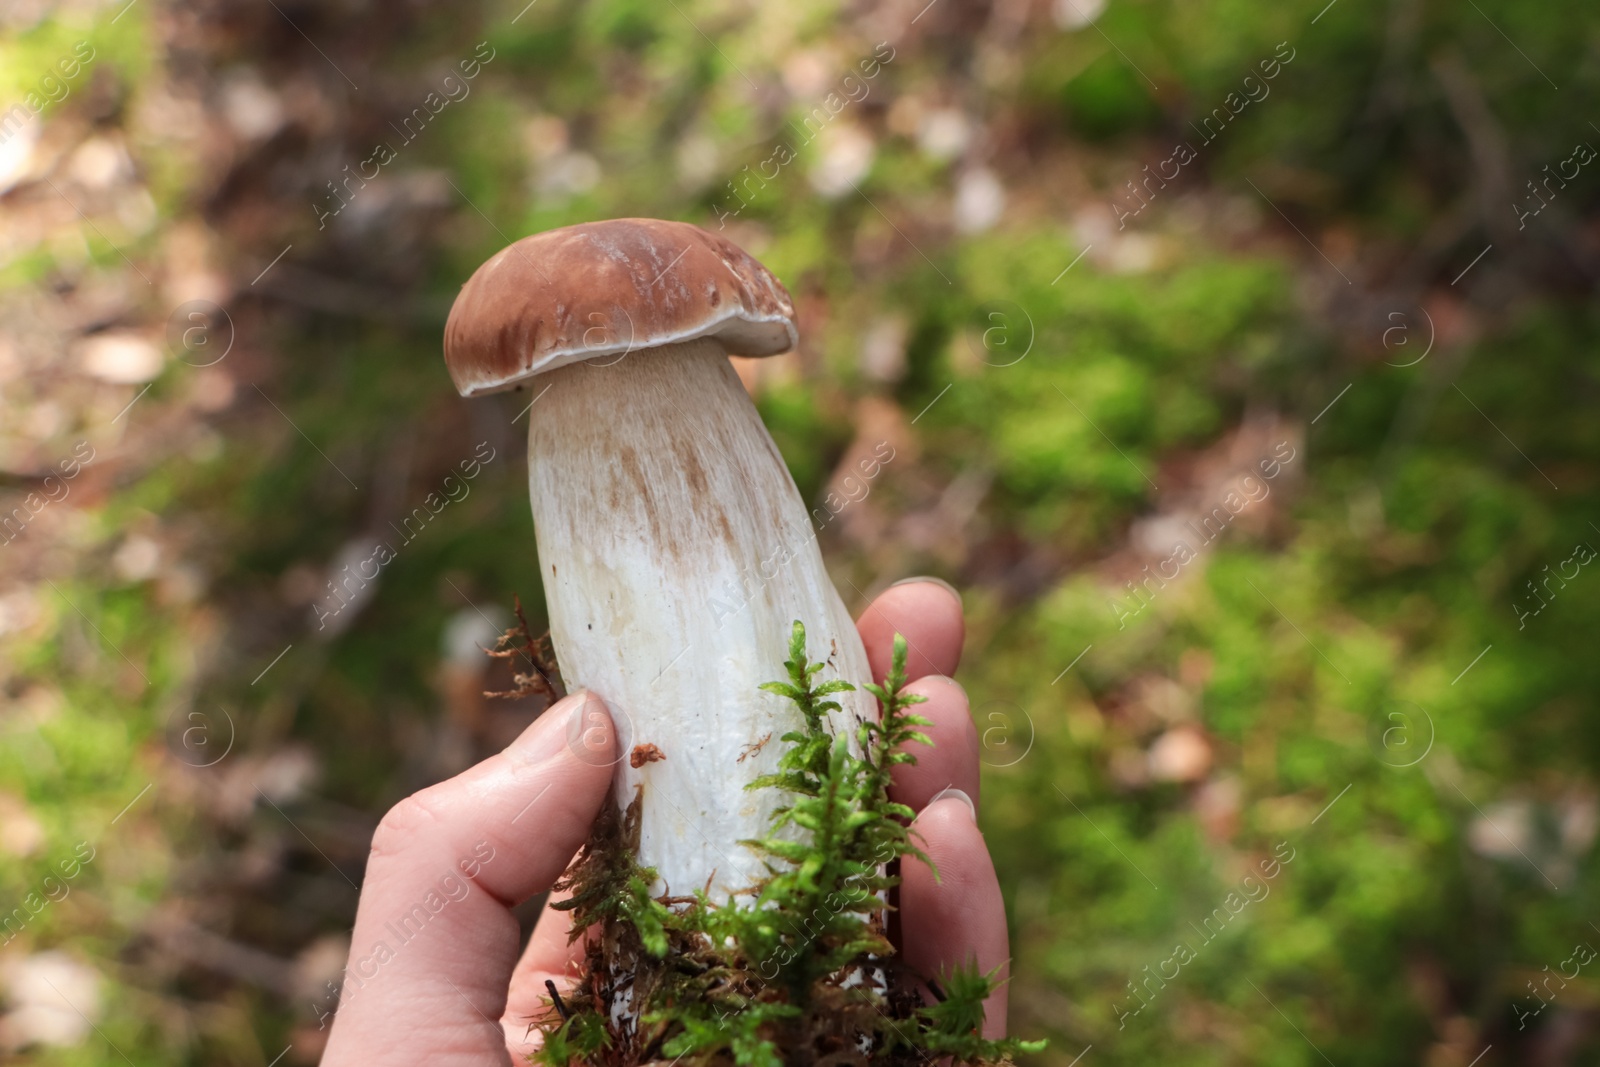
645, 753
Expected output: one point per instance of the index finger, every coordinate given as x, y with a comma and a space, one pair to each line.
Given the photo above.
928, 613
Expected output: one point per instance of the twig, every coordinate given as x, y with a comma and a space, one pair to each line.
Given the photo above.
546, 676
561, 1008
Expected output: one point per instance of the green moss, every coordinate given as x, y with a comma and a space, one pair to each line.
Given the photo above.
804, 971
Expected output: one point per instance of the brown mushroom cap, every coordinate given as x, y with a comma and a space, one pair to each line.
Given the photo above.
605, 289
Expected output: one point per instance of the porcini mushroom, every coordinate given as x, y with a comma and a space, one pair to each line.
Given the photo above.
674, 547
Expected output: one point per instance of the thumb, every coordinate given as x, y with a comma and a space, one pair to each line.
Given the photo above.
435, 941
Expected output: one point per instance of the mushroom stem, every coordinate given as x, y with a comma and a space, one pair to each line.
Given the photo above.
676, 554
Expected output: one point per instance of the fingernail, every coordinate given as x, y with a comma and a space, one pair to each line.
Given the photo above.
936, 581
560, 726
952, 793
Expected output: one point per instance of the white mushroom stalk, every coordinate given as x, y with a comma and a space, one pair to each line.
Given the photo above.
674, 547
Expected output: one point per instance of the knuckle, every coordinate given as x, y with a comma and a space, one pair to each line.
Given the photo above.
404, 824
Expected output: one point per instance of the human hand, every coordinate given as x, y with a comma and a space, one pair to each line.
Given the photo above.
468, 850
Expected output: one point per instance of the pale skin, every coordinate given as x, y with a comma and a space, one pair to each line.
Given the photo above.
457, 992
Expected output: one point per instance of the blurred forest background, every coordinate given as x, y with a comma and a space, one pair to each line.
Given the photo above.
1085, 265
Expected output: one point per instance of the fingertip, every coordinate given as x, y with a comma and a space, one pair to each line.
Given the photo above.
949, 825
952, 758
591, 730
928, 613
936, 687
578, 725
958, 918
952, 793
931, 580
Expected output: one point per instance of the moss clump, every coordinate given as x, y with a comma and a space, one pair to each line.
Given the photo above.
801, 974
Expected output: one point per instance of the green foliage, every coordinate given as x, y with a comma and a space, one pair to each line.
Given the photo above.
579, 1039
606, 884
947, 1025
816, 919
1108, 99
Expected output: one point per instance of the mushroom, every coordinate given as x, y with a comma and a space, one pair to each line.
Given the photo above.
675, 551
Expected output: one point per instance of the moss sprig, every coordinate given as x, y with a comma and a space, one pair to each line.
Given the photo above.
804, 972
